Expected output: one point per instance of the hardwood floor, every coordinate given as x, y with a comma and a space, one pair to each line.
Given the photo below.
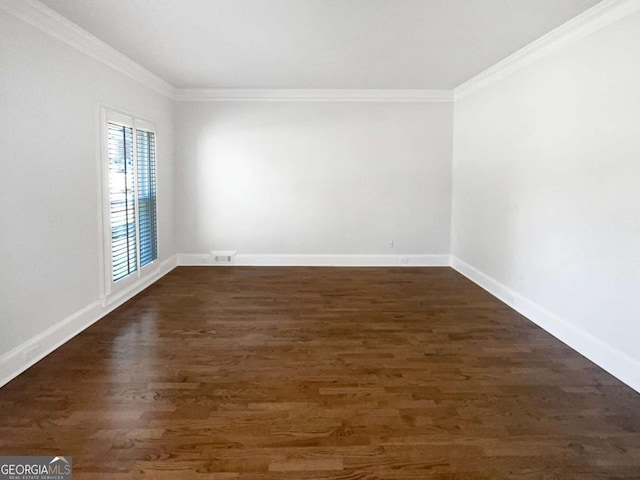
321, 373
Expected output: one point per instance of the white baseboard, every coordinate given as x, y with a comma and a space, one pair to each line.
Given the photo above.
17, 360
277, 260
618, 364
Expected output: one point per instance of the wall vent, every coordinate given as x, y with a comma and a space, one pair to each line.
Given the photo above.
225, 256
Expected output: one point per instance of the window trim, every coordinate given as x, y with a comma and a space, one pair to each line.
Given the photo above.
113, 288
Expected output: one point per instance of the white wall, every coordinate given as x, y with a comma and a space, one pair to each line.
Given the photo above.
546, 197
313, 177
49, 185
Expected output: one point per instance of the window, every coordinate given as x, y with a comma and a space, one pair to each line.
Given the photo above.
129, 185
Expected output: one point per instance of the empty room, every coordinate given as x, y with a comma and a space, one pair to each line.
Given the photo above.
320, 239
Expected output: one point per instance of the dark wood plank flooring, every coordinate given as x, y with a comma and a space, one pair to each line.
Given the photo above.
321, 373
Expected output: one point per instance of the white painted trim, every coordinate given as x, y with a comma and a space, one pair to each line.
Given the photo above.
310, 95
113, 289
277, 260
60, 28
599, 16
618, 364
150, 276
13, 363
223, 253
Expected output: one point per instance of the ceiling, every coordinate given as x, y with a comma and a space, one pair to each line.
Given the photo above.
346, 44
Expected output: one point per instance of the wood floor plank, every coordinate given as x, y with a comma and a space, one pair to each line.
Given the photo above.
321, 373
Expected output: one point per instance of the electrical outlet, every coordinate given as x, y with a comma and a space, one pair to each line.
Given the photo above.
390, 244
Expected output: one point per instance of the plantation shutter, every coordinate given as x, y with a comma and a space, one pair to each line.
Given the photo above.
147, 197
122, 201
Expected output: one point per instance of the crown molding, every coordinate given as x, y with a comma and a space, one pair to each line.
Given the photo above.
47, 20
54, 24
597, 17
310, 95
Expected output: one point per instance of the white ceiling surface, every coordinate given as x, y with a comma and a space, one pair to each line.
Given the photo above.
346, 44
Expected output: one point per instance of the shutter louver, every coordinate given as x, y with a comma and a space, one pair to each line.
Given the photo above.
147, 220
124, 255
